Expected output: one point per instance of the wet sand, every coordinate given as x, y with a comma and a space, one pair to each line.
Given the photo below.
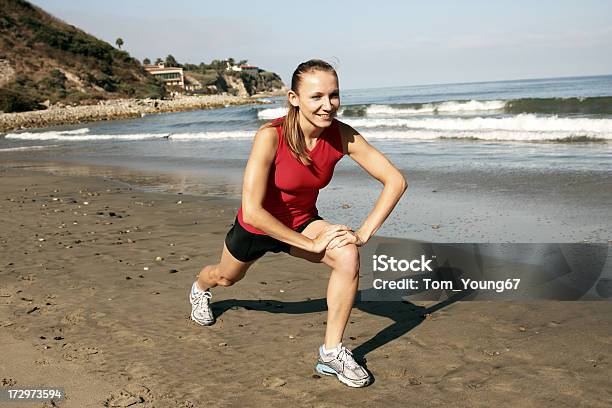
85, 305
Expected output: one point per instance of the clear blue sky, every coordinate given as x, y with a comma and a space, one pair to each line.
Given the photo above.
372, 43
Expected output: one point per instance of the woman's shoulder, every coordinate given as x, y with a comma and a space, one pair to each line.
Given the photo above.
275, 125
267, 131
346, 131
268, 135
342, 127
348, 135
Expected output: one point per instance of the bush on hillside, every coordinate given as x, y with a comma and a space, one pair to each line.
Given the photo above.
11, 101
71, 41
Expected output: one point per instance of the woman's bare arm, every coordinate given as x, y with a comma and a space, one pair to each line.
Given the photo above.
379, 167
254, 190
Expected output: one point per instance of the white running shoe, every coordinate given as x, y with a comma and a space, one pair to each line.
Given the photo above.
343, 365
201, 312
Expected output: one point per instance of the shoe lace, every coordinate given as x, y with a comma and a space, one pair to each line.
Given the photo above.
346, 356
203, 298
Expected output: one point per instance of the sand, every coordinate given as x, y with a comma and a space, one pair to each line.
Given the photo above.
85, 305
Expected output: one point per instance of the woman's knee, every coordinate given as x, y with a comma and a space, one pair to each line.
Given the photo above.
346, 259
227, 278
221, 281
215, 274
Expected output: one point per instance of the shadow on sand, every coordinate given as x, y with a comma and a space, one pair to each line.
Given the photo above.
405, 314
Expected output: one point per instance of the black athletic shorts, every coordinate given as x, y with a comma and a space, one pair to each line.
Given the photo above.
246, 246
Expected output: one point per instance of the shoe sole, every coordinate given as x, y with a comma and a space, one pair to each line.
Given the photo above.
200, 323
325, 370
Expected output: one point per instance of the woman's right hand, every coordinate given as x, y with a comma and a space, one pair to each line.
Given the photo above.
320, 242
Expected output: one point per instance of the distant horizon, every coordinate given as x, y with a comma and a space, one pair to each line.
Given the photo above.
480, 82
427, 84
412, 85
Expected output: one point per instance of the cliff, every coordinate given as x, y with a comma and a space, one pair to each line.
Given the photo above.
212, 81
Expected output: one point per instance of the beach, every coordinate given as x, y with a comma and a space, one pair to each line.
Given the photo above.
106, 225
94, 288
474, 153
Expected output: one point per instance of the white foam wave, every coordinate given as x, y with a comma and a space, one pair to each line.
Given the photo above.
523, 122
238, 134
389, 111
484, 134
80, 137
271, 113
18, 149
81, 131
47, 135
428, 108
497, 135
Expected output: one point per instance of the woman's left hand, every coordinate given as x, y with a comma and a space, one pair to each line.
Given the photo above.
351, 237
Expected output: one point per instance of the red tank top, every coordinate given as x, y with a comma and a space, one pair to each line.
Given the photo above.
293, 188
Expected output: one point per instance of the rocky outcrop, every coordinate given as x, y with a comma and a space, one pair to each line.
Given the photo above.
237, 84
114, 109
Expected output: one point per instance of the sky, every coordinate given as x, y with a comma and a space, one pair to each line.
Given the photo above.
371, 43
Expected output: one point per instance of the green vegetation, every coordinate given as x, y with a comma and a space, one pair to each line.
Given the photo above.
171, 62
12, 101
74, 42
56, 82
215, 65
57, 62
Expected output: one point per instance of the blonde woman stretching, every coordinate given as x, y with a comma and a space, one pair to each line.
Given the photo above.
292, 158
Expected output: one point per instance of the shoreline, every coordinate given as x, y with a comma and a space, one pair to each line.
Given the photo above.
116, 109
501, 207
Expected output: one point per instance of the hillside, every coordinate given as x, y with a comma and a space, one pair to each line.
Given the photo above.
44, 61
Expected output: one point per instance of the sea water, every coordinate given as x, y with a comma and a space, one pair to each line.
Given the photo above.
496, 143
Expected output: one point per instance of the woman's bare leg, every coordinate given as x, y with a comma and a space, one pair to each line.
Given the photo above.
343, 282
228, 271
341, 291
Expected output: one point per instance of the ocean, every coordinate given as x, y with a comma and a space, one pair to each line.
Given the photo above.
471, 152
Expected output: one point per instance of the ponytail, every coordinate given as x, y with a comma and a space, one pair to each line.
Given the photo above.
294, 137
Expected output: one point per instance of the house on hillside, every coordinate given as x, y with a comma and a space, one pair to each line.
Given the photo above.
249, 68
170, 76
242, 68
231, 67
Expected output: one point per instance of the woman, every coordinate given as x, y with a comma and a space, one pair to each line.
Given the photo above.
292, 158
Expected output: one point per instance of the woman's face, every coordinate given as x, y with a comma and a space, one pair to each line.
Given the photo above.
318, 97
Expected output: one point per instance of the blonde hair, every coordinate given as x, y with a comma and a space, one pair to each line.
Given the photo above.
292, 132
